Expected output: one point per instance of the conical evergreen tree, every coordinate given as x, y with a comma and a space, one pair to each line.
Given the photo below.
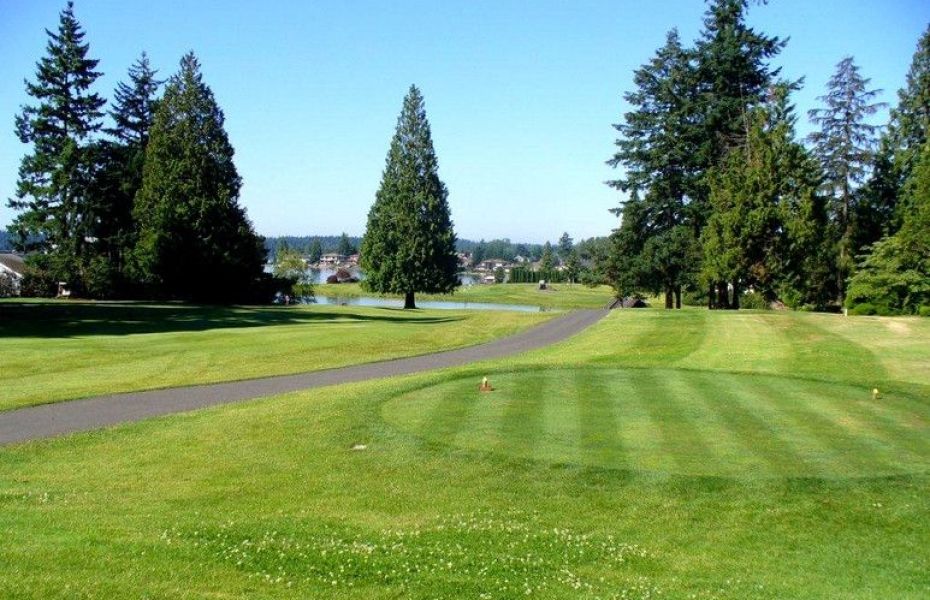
134, 104
54, 179
119, 175
658, 151
195, 241
409, 244
845, 146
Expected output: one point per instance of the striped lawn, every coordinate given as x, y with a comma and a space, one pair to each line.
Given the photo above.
676, 421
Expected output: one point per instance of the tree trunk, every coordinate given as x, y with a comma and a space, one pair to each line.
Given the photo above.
735, 304
723, 300
678, 296
408, 301
668, 298
710, 297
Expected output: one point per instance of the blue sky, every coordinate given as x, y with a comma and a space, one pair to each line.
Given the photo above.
520, 95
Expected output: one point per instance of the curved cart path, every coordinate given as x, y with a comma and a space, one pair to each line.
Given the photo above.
49, 420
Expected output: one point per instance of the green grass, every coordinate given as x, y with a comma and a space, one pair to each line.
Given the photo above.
52, 351
670, 455
558, 296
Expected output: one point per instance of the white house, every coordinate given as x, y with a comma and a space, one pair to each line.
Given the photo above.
13, 267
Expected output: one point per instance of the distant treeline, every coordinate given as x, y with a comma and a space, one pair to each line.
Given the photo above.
6, 244
480, 250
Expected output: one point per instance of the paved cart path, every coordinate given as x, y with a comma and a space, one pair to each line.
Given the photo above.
49, 420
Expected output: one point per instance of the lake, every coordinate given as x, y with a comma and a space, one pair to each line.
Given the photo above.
440, 304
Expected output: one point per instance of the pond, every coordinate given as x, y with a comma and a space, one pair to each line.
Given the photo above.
317, 276
441, 304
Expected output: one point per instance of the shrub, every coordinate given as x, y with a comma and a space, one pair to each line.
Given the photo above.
866, 308
924, 311
753, 300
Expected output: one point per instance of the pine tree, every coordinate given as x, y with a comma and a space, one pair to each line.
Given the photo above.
882, 207
409, 244
734, 76
119, 174
547, 261
345, 246
52, 193
895, 277
657, 149
315, 253
845, 145
566, 245
195, 241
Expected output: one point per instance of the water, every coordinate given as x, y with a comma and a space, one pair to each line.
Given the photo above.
440, 304
319, 276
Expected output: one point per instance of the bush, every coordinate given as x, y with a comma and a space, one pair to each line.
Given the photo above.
866, 308
924, 311
7, 286
753, 300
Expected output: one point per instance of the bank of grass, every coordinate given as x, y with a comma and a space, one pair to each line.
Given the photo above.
557, 296
674, 455
62, 350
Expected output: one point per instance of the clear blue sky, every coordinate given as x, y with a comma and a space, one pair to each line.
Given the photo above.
521, 95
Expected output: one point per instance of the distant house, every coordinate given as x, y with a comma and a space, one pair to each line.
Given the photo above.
492, 264
352, 259
464, 259
520, 259
332, 259
12, 267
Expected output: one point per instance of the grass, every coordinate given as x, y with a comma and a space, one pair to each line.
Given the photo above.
671, 455
53, 351
558, 296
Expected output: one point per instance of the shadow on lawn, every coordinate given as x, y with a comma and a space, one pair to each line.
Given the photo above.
58, 319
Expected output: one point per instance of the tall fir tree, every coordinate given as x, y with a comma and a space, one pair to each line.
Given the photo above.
119, 174
882, 206
733, 77
895, 277
765, 220
547, 261
345, 246
315, 252
52, 194
409, 243
657, 149
566, 245
845, 145
195, 241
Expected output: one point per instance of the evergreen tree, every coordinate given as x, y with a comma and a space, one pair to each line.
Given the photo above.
52, 194
566, 245
345, 246
895, 277
911, 117
315, 253
119, 173
656, 147
734, 76
409, 244
547, 261
195, 241
845, 145
879, 210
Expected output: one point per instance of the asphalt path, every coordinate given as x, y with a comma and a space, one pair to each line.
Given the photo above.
50, 420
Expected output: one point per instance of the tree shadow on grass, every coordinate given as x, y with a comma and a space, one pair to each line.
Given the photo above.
60, 319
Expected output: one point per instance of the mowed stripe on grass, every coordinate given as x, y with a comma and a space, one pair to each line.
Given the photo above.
675, 422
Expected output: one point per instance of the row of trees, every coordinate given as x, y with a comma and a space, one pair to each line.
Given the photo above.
722, 197
145, 206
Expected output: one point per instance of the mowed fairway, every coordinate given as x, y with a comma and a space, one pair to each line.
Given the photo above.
53, 351
677, 422
681, 455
